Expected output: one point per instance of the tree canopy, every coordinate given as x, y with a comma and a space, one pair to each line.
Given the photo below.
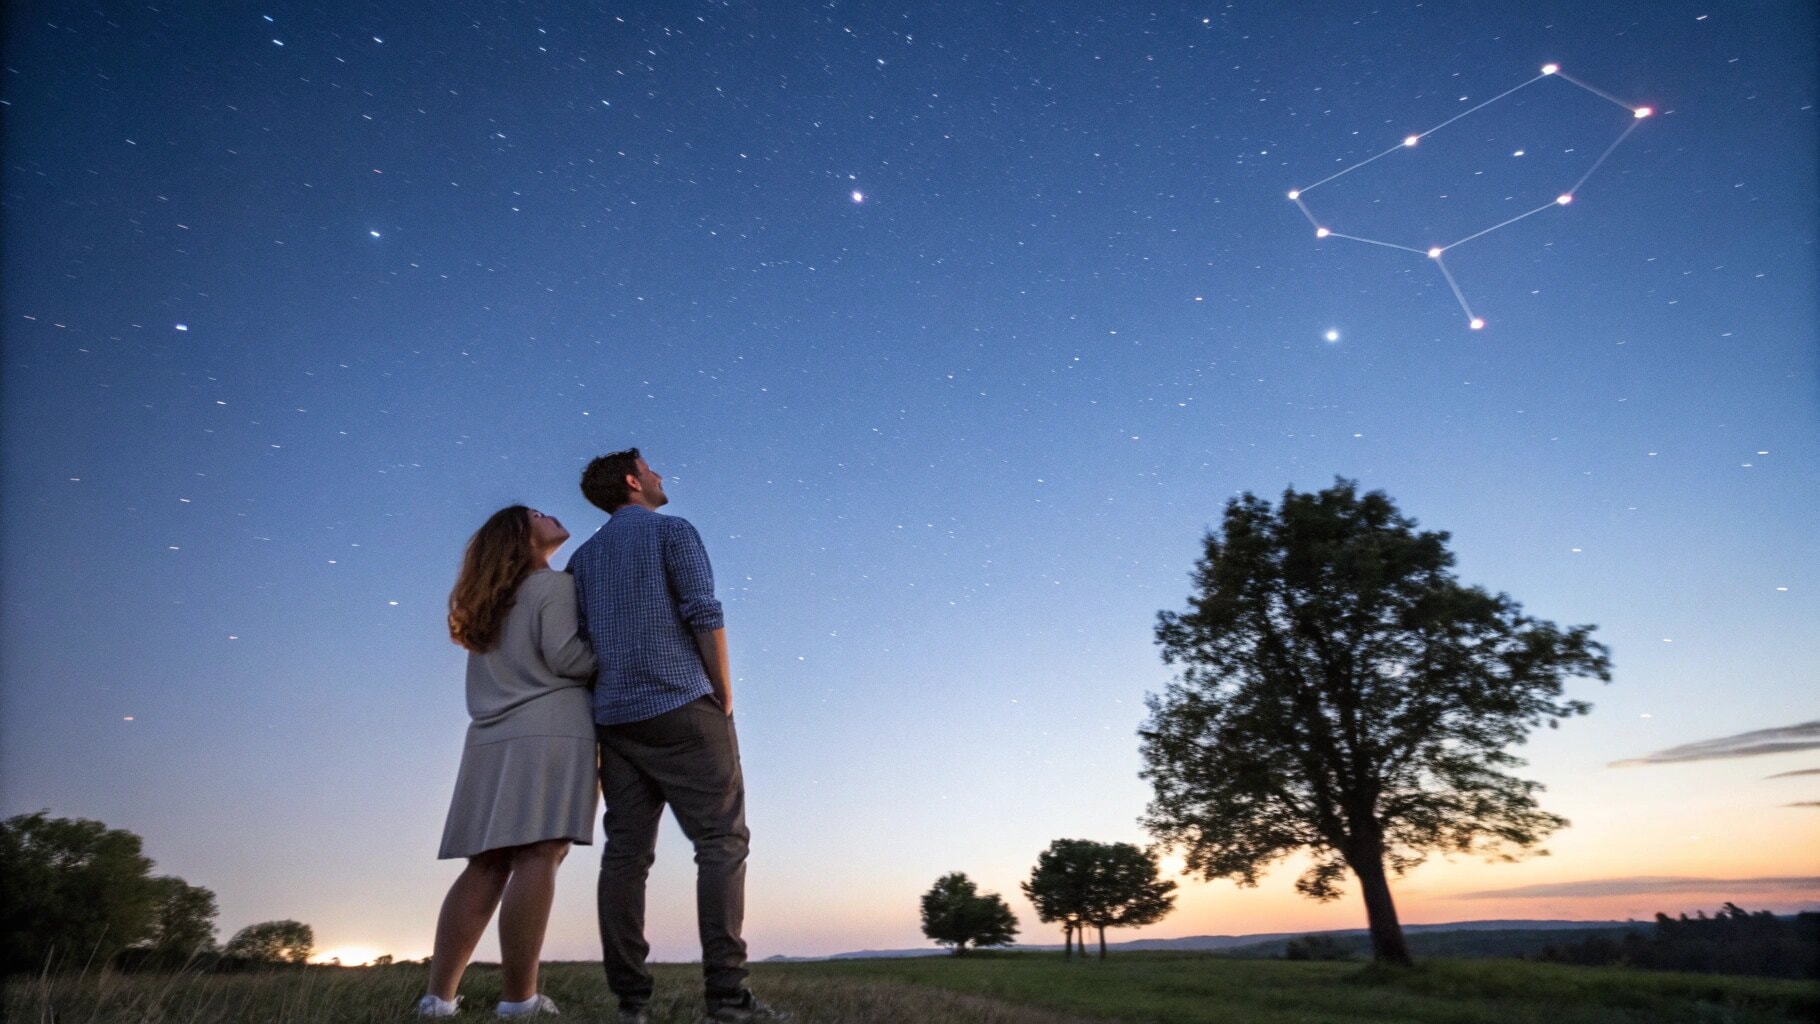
1342, 693
183, 919
956, 914
72, 892
273, 942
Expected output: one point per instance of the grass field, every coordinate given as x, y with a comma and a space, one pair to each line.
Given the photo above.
1198, 989
1012, 988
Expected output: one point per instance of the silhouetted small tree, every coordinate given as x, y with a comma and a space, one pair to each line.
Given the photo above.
1123, 890
1058, 888
273, 942
956, 913
1343, 693
183, 922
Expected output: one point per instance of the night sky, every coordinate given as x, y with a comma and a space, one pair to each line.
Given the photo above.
953, 327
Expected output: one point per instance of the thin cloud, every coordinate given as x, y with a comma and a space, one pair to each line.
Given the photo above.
1790, 775
1787, 739
1644, 885
1804, 803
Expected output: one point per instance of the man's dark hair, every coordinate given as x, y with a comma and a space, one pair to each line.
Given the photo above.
604, 481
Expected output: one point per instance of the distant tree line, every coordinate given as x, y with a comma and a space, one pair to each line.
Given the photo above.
1733, 941
76, 894
1316, 947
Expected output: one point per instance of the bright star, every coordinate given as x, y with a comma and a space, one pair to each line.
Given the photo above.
858, 196
1332, 334
375, 234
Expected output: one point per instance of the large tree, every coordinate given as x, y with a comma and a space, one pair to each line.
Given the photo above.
956, 913
273, 942
72, 892
1340, 692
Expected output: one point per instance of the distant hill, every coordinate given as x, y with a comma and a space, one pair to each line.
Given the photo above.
1458, 939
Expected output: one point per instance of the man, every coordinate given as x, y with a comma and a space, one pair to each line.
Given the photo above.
663, 711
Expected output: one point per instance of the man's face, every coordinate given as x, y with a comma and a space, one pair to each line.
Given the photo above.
651, 484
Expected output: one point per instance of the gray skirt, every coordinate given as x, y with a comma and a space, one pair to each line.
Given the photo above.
523, 790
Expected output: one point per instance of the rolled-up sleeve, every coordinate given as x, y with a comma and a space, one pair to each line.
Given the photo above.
691, 578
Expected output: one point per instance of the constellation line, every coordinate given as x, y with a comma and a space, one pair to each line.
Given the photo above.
1602, 156
1602, 94
1545, 206
1373, 241
1305, 213
1451, 283
1406, 143
1481, 106
1351, 169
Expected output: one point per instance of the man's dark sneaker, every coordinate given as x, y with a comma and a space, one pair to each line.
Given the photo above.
634, 1015
742, 1009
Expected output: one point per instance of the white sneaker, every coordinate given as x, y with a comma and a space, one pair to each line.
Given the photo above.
431, 1006
535, 1004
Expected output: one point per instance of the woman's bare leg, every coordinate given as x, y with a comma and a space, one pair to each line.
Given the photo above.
465, 913
524, 914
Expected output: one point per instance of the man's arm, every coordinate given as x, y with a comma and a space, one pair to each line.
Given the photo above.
686, 563
712, 644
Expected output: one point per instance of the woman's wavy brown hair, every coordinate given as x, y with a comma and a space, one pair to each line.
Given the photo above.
497, 561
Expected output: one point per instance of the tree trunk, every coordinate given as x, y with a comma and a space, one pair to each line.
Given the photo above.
1387, 945
1102, 942
1067, 940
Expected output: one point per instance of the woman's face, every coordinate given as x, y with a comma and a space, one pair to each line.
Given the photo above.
547, 533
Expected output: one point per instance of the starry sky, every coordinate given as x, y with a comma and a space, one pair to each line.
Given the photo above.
952, 327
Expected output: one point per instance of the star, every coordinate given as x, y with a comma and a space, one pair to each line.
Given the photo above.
858, 196
1333, 334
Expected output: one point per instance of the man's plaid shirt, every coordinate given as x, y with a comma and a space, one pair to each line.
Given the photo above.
645, 589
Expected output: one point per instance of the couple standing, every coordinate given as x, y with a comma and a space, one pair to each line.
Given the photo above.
609, 679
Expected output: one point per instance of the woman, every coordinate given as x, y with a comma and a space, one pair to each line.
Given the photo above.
527, 787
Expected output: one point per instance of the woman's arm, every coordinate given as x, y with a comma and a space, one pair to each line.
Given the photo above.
565, 648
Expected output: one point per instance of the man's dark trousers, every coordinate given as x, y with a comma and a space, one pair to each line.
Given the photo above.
688, 759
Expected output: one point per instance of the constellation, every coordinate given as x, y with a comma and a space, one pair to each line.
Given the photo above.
1435, 252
